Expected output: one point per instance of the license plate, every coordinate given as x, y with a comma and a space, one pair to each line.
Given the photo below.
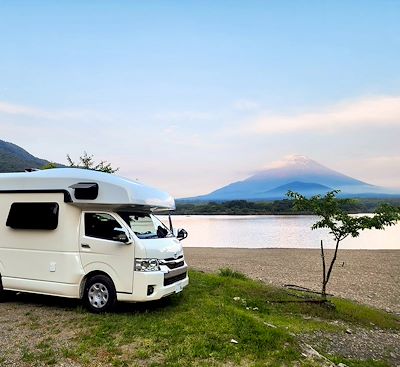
178, 288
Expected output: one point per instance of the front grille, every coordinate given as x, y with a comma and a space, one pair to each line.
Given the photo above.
175, 279
177, 270
175, 265
172, 259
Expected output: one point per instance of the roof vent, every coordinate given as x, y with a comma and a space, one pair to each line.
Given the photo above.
85, 190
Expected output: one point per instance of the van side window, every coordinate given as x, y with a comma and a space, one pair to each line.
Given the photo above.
33, 216
101, 225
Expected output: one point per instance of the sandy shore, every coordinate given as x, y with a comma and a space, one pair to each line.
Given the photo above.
367, 276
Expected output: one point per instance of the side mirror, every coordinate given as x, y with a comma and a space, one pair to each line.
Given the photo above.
181, 234
121, 236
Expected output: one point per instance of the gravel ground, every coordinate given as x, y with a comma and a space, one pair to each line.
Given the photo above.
368, 276
30, 324
374, 344
39, 330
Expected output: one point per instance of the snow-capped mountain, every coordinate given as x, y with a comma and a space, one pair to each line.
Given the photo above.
297, 173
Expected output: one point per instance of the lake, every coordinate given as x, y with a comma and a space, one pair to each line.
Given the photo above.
266, 231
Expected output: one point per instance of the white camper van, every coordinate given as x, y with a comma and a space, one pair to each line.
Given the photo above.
84, 234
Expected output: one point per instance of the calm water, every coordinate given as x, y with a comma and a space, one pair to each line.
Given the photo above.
258, 231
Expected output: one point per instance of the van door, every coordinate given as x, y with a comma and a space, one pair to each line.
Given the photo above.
100, 249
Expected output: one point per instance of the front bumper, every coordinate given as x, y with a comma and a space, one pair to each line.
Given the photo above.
163, 284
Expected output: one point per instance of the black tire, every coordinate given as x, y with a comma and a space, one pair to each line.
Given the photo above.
2, 292
99, 295
7, 296
4, 295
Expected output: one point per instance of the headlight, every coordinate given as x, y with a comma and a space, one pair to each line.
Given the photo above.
146, 265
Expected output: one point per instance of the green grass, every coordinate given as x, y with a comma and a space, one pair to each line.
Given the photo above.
227, 272
44, 354
195, 328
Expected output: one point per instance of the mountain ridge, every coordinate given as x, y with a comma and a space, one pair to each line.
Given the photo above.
269, 183
305, 188
296, 173
13, 158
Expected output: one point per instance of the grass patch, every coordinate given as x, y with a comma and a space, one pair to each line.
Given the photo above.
43, 354
227, 272
364, 315
197, 327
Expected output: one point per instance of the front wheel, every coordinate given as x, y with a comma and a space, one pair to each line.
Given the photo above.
100, 295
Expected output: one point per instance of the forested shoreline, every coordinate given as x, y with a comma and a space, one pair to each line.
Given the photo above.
284, 207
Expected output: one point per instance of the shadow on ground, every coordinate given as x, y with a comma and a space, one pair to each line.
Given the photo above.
38, 301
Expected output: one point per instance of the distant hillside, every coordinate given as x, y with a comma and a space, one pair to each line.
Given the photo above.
304, 188
276, 207
15, 159
296, 173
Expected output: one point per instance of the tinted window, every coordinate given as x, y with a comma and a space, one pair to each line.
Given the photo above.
33, 216
101, 225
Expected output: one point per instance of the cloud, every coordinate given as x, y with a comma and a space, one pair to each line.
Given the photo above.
183, 116
245, 105
288, 160
376, 111
380, 170
47, 114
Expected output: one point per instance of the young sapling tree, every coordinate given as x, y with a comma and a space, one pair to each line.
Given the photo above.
86, 161
340, 224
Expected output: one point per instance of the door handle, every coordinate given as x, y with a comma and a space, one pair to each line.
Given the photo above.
85, 245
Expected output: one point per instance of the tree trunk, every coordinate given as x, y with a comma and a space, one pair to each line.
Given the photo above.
323, 292
328, 275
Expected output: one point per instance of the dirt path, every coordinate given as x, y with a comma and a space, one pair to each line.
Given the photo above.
366, 276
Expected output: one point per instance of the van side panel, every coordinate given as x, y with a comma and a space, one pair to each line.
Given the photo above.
36, 286
43, 261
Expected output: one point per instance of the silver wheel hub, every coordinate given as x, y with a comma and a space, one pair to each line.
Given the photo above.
98, 295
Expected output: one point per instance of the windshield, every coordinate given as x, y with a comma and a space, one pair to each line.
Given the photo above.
146, 225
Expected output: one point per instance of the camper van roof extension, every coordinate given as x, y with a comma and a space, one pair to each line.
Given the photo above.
88, 188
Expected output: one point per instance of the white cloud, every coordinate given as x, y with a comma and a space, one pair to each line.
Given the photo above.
373, 111
245, 105
189, 158
379, 170
48, 114
288, 160
182, 116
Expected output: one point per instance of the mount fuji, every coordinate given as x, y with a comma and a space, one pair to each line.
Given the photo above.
297, 173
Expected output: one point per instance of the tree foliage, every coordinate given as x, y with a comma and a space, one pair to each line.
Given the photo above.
234, 207
332, 215
86, 161
49, 165
337, 220
244, 207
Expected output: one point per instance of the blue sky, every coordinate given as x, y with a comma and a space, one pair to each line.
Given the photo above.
191, 95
